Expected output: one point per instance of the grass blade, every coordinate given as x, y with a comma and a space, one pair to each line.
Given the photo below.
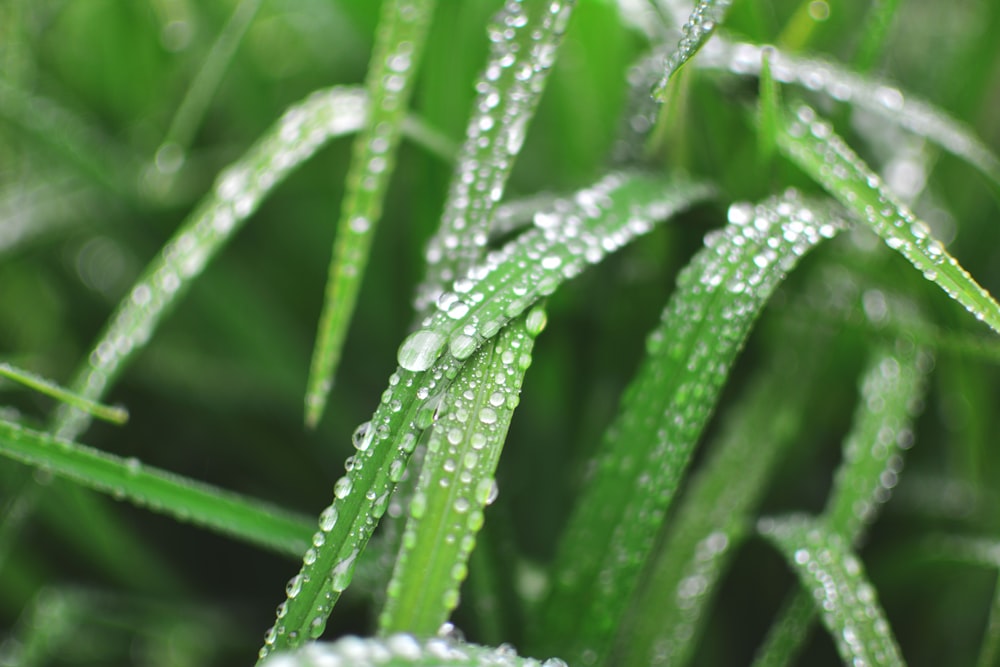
718, 510
187, 500
303, 129
113, 414
647, 449
456, 482
879, 97
594, 222
525, 38
874, 33
402, 650
706, 16
396, 56
835, 579
891, 388
768, 112
810, 143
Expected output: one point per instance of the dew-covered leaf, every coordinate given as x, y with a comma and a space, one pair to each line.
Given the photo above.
302, 130
158, 490
648, 446
581, 231
717, 513
704, 19
524, 41
834, 577
398, 48
811, 143
111, 413
403, 650
879, 97
457, 481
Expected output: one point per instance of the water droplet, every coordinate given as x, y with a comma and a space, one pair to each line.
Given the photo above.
420, 350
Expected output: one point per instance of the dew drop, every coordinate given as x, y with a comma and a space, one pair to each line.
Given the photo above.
420, 350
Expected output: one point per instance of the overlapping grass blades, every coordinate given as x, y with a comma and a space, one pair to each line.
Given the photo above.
811, 143
398, 48
891, 393
112, 413
403, 650
302, 130
456, 482
596, 221
647, 448
700, 25
835, 579
228, 513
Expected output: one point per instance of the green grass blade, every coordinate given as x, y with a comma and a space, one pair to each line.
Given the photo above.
834, 577
596, 221
113, 414
402, 650
647, 448
768, 112
456, 482
525, 38
398, 48
160, 491
892, 386
810, 143
717, 513
701, 24
874, 34
302, 130
879, 97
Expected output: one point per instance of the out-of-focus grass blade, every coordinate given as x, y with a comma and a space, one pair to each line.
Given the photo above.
524, 41
403, 650
302, 130
769, 111
706, 16
398, 48
834, 577
456, 482
874, 34
811, 143
596, 221
30, 209
160, 491
647, 448
879, 97
113, 414
717, 513
891, 391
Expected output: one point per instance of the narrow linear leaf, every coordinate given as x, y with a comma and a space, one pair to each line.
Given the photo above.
880, 97
398, 48
891, 391
769, 111
717, 513
302, 130
596, 221
646, 450
524, 40
160, 491
403, 650
706, 16
834, 577
811, 143
874, 33
456, 482
113, 414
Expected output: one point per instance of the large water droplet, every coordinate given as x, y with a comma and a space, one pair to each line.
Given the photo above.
420, 350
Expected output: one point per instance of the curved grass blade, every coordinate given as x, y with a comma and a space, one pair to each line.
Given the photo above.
891, 390
403, 650
835, 579
718, 510
810, 143
879, 97
646, 450
398, 47
456, 482
186, 500
706, 16
113, 414
525, 37
596, 221
302, 130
